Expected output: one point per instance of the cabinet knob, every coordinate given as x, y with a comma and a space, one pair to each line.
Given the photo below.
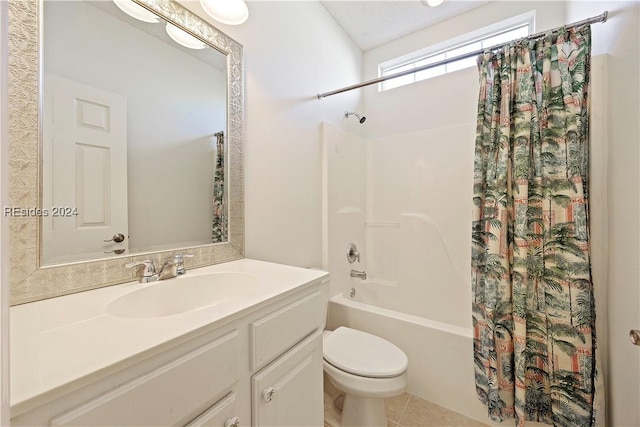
232, 422
267, 394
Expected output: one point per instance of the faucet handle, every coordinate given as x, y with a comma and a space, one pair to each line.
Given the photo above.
149, 274
181, 257
179, 260
352, 253
148, 264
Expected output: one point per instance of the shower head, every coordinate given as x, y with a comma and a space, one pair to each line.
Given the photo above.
361, 119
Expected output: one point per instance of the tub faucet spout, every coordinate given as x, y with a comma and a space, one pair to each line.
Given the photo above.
359, 274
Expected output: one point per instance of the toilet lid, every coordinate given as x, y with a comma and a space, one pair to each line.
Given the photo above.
363, 354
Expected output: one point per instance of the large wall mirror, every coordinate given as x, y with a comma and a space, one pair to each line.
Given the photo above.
125, 142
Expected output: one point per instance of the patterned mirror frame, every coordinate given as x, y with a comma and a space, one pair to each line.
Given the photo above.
29, 280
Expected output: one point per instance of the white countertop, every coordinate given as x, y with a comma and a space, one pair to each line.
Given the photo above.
58, 341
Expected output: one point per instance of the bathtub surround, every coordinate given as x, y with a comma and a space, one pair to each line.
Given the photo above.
533, 306
344, 210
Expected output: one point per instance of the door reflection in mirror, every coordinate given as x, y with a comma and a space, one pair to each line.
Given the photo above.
135, 142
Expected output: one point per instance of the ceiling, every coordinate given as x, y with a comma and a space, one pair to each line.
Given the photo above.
209, 56
373, 23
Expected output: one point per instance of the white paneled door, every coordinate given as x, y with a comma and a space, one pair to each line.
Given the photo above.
84, 171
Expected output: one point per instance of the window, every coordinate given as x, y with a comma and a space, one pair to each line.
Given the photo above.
502, 32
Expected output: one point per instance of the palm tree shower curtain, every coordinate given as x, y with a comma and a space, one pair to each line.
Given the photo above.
533, 307
219, 232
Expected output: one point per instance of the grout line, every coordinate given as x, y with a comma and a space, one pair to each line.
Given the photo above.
404, 409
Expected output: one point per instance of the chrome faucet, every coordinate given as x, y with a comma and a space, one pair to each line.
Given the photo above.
168, 270
149, 274
359, 274
178, 259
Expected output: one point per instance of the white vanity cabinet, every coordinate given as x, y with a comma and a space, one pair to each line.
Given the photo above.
261, 367
288, 390
170, 388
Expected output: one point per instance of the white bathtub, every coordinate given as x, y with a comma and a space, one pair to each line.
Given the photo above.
440, 354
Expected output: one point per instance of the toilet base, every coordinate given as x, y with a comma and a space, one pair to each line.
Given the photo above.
360, 411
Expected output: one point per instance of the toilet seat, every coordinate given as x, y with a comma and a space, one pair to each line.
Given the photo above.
363, 354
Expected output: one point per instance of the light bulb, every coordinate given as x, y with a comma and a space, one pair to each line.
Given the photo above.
231, 12
183, 38
434, 3
134, 10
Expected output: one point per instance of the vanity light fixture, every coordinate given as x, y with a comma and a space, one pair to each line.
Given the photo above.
432, 3
231, 12
183, 38
136, 11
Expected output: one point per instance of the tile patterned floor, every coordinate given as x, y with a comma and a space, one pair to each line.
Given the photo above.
405, 410
408, 410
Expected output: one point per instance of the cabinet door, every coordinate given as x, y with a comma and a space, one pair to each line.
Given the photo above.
222, 414
288, 392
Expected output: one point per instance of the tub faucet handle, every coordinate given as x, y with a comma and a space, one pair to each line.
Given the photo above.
352, 253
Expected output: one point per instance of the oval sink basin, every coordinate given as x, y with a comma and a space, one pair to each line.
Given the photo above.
182, 295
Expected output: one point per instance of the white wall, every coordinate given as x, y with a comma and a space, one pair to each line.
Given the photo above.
175, 104
292, 51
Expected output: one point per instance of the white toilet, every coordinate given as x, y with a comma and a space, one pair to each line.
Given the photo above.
367, 369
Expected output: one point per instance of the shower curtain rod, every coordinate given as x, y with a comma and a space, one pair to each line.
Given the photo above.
600, 18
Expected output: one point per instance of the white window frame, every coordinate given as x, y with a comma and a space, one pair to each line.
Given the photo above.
528, 18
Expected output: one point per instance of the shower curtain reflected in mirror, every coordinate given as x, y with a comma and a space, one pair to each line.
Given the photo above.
219, 228
533, 307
